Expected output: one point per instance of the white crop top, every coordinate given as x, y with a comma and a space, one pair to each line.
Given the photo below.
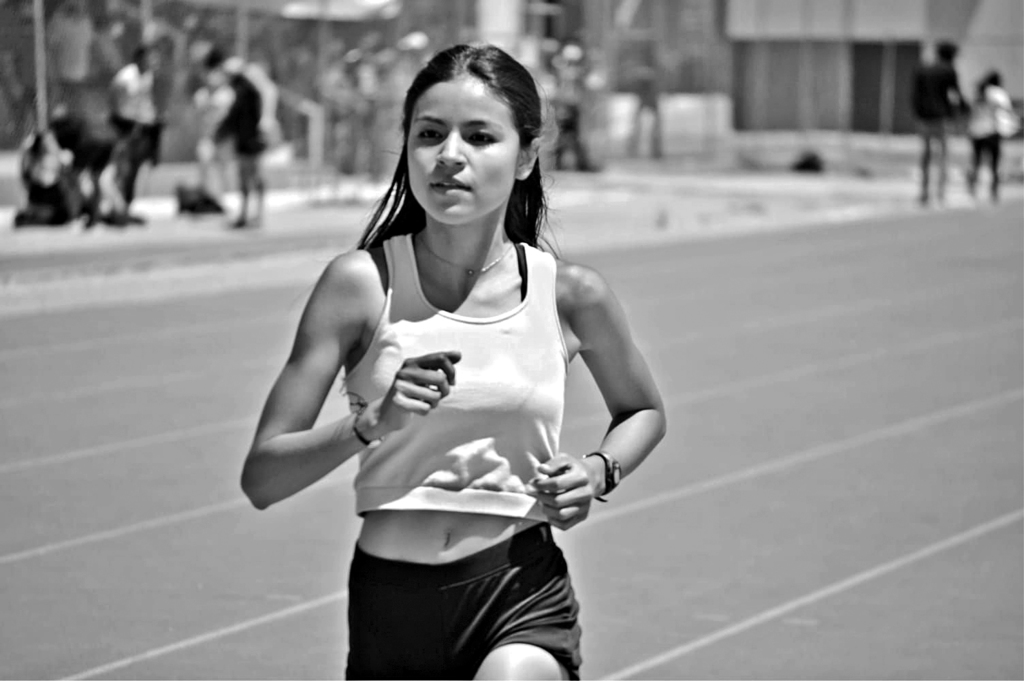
476, 451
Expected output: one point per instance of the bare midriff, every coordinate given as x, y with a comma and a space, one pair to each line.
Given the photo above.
434, 537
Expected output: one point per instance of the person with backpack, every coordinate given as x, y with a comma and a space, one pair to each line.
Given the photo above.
992, 118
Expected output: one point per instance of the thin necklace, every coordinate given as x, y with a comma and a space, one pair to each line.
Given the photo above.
468, 271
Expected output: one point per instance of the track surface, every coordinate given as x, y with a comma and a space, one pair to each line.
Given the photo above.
839, 495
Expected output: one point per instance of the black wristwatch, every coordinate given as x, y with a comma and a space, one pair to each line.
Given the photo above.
612, 472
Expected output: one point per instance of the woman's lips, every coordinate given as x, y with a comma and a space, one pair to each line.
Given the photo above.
449, 185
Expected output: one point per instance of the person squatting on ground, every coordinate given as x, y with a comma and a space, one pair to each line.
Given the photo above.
992, 118
45, 169
455, 332
134, 116
92, 146
66, 173
936, 101
241, 124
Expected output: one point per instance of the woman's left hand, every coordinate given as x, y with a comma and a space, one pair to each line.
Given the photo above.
565, 490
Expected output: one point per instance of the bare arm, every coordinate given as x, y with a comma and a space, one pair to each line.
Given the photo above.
597, 327
600, 327
288, 454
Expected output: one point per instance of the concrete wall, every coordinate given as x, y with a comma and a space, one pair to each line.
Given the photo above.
991, 37
990, 32
826, 19
690, 123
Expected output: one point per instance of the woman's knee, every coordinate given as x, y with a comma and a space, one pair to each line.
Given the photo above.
521, 661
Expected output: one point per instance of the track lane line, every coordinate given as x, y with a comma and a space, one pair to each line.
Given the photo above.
105, 342
790, 252
292, 611
864, 306
576, 424
906, 560
805, 456
124, 530
151, 380
821, 451
136, 382
835, 364
757, 325
165, 437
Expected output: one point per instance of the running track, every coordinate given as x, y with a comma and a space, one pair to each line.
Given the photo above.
839, 496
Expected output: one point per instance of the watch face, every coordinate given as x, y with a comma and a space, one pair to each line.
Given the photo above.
616, 472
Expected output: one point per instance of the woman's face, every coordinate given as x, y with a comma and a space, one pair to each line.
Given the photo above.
464, 152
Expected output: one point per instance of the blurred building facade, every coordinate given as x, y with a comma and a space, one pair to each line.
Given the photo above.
848, 63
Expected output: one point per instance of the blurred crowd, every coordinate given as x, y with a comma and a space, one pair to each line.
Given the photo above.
118, 88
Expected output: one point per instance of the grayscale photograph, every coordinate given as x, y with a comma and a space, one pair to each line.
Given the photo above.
511, 339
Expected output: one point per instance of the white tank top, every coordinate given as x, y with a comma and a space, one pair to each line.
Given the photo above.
475, 452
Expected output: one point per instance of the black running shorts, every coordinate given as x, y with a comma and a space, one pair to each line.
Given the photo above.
408, 620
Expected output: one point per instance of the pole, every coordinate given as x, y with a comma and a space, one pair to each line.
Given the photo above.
806, 110
761, 50
318, 129
847, 100
146, 14
455, 36
887, 100
242, 29
38, 23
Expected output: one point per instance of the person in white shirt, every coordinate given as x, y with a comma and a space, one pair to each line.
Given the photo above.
992, 119
134, 117
456, 573
212, 105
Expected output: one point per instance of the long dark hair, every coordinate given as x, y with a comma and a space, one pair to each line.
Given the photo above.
398, 212
990, 78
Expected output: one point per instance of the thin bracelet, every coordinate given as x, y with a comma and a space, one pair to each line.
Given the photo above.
355, 429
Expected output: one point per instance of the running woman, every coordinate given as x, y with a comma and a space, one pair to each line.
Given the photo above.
455, 332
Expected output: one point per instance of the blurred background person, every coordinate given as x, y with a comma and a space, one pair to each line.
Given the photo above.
992, 119
646, 76
340, 99
50, 194
937, 102
134, 117
570, 73
91, 144
365, 65
241, 125
258, 72
211, 104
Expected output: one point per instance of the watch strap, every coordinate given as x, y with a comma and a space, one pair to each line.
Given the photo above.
609, 466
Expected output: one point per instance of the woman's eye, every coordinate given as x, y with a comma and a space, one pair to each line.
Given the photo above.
481, 138
429, 135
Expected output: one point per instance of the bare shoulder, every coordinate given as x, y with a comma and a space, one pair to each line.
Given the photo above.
351, 288
354, 272
581, 288
591, 314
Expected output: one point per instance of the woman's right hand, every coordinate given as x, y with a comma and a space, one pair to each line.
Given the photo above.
419, 386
